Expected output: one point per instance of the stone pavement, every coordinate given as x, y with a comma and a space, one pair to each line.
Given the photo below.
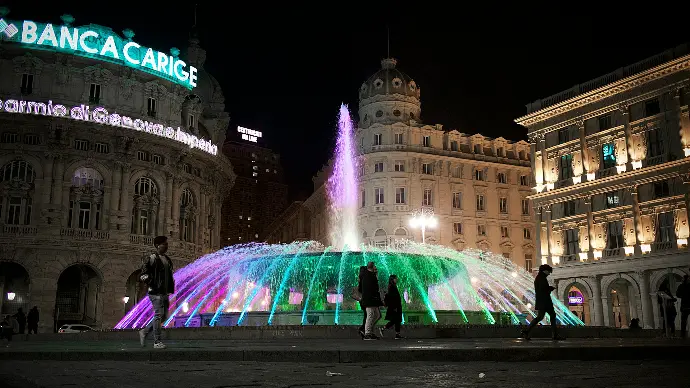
225, 374
348, 350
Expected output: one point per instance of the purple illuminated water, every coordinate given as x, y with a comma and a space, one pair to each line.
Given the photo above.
342, 187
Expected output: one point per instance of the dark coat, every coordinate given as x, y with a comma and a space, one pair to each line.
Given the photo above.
371, 296
542, 293
683, 292
159, 276
21, 319
393, 305
32, 318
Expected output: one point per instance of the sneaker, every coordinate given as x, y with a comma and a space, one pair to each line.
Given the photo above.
525, 334
398, 336
381, 331
142, 337
159, 345
370, 337
361, 333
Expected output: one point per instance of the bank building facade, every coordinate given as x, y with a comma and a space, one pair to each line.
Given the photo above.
611, 161
104, 144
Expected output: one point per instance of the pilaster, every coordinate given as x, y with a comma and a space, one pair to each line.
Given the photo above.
597, 301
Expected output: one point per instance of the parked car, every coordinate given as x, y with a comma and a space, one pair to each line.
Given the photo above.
74, 328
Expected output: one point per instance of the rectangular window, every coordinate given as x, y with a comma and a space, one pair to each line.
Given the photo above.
27, 84
566, 167
427, 168
98, 216
10, 138
378, 196
524, 181
563, 135
528, 263
651, 107
427, 200
191, 121
481, 230
655, 144
426, 141
666, 232
157, 159
31, 139
84, 215
615, 235
188, 169
398, 138
457, 200
400, 195
457, 228
661, 189
144, 222
612, 199
27, 211
69, 214
504, 232
608, 155
102, 148
363, 198
477, 148
480, 203
604, 122
526, 234
457, 172
502, 178
151, 107
378, 167
81, 145
377, 139
525, 207
143, 156
503, 205
479, 175
500, 152
95, 94
572, 243
400, 166
13, 210
362, 170
568, 208
454, 145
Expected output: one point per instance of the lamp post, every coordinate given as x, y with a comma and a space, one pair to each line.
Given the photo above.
423, 218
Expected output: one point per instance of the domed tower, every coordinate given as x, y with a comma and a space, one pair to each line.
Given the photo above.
388, 96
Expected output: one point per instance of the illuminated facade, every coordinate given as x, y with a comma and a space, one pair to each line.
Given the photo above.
610, 160
476, 186
97, 157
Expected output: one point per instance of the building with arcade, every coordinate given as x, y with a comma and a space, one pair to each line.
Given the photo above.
104, 144
611, 162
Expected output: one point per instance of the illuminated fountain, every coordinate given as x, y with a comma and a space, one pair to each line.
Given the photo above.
307, 283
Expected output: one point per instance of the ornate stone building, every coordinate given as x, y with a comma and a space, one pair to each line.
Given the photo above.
84, 190
610, 160
476, 186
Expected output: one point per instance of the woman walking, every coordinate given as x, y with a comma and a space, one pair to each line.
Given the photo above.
393, 304
362, 271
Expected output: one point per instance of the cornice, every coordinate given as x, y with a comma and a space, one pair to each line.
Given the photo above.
606, 91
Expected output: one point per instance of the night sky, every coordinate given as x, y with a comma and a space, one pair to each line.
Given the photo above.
285, 69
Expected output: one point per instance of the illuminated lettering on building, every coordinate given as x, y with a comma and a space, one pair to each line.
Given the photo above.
575, 300
249, 134
100, 43
100, 115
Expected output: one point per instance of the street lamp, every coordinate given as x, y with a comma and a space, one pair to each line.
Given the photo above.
423, 218
125, 300
11, 295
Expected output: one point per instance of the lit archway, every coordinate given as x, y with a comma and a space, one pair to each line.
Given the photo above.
135, 291
621, 300
78, 297
578, 303
14, 288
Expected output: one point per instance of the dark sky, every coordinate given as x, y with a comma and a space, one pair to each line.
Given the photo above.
285, 69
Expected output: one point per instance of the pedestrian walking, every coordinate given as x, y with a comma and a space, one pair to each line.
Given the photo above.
683, 292
21, 320
358, 296
393, 303
543, 303
667, 309
157, 273
6, 329
371, 298
32, 320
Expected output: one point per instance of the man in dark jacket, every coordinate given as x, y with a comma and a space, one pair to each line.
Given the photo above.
32, 320
543, 303
371, 298
21, 320
157, 273
683, 292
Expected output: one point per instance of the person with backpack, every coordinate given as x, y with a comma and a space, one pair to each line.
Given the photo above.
157, 273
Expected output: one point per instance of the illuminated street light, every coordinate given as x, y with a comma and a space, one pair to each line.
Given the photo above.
11, 295
125, 299
423, 218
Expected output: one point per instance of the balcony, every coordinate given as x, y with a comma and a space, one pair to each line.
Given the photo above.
655, 160
442, 152
613, 252
663, 246
141, 239
603, 173
84, 234
19, 230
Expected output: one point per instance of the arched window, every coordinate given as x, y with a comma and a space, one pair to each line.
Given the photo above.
145, 209
16, 192
86, 199
400, 232
187, 216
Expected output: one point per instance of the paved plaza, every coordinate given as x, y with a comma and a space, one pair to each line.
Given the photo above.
226, 374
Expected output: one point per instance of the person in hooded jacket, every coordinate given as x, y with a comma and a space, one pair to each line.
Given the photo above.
393, 303
543, 303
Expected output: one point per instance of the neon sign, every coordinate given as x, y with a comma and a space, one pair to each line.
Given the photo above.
575, 300
249, 134
100, 115
100, 43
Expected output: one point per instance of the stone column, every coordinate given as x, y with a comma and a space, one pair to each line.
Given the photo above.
636, 219
48, 179
549, 230
629, 146
59, 172
115, 187
537, 215
590, 226
647, 315
682, 123
201, 225
176, 206
597, 301
124, 191
583, 148
167, 210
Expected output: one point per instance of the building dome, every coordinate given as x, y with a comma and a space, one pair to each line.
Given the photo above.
388, 96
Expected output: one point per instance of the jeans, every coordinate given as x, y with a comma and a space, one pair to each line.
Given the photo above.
373, 316
160, 305
540, 315
364, 319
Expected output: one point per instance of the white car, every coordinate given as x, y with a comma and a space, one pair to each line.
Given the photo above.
74, 328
